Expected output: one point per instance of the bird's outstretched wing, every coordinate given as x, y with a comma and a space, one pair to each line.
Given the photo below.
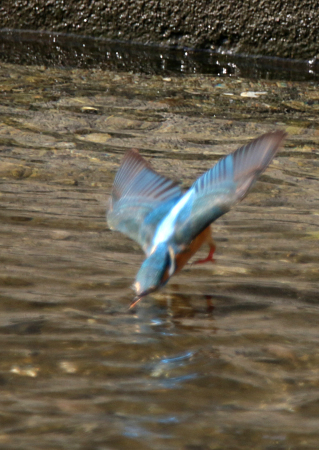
140, 199
229, 181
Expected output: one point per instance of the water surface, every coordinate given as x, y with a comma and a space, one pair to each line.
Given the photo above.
77, 369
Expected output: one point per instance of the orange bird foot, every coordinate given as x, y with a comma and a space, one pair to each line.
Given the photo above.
209, 258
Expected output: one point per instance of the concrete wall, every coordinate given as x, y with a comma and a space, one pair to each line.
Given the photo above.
284, 28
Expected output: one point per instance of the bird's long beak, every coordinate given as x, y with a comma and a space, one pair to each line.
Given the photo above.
134, 302
138, 298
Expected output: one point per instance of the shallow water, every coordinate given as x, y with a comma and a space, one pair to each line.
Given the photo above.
78, 370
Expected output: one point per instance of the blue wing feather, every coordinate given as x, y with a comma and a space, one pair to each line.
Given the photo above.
140, 198
229, 181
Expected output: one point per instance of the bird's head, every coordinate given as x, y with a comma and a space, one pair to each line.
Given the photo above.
155, 271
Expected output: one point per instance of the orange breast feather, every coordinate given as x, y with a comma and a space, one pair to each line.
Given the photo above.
182, 258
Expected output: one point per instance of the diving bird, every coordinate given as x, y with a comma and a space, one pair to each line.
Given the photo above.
171, 225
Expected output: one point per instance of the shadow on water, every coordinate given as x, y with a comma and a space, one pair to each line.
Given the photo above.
77, 369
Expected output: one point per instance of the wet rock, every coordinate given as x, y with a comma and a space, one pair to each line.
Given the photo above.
269, 28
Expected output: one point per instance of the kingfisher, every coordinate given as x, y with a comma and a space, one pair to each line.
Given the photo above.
171, 225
